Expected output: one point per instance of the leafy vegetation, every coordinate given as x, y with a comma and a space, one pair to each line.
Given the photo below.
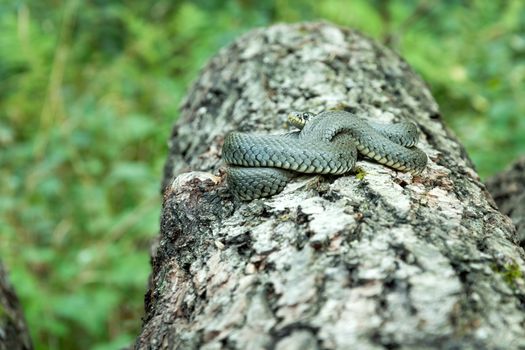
88, 94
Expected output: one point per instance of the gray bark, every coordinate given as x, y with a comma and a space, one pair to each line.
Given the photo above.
13, 329
508, 190
373, 260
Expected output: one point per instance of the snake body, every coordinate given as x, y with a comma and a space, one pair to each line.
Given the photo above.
261, 165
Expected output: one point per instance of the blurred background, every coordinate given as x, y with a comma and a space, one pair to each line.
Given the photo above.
89, 91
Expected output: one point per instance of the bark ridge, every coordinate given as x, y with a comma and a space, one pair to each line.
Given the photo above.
13, 329
508, 190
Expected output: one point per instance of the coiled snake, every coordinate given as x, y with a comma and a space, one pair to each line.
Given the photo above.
327, 143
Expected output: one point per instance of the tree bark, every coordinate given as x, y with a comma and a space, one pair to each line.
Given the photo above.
13, 329
373, 260
508, 190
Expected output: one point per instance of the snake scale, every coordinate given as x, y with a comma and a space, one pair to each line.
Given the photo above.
327, 143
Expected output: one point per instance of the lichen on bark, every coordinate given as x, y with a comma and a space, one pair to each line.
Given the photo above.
376, 260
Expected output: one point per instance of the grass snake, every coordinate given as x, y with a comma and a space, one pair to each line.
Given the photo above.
327, 143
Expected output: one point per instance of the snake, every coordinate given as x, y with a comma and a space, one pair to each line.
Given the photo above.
261, 165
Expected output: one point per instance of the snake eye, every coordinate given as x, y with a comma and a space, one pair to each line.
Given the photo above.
306, 116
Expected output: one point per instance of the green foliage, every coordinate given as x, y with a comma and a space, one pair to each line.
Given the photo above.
89, 92
473, 56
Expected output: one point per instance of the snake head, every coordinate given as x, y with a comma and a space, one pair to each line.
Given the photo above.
299, 119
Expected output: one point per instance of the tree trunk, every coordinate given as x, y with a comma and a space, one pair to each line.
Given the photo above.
508, 189
373, 260
13, 329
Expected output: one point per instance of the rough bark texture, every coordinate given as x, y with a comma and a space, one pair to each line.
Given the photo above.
373, 260
508, 189
13, 329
